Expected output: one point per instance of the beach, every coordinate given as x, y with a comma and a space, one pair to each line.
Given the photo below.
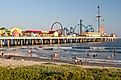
18, 61
20, 57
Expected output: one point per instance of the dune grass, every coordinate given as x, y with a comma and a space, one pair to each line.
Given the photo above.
58, 72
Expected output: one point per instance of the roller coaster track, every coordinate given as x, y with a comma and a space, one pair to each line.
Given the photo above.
88, 28
66, 31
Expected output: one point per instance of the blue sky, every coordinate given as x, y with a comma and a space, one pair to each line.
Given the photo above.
40, 14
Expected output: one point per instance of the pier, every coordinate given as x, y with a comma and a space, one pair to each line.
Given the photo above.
77, 34
24, 41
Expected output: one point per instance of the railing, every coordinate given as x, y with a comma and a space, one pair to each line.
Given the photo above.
57, 37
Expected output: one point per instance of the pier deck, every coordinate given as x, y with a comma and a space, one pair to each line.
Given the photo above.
23, 41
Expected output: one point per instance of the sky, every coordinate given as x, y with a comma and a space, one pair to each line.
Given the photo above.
41, 14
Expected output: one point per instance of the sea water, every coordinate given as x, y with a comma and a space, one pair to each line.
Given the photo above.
93, 50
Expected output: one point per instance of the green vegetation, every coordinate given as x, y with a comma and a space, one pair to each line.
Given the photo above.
58, 72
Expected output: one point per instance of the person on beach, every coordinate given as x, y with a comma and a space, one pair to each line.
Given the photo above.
87, 54
114, 52
75, 61
30, 53
111, 57
2, 54
79, 62
55, 55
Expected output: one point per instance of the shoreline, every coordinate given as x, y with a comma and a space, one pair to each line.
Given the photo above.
22, 56
17, 61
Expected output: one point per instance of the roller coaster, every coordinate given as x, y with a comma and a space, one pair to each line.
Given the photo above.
72, 30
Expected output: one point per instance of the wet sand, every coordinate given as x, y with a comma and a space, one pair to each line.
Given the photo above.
28, 61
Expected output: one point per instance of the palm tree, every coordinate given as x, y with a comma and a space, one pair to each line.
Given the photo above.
6, 31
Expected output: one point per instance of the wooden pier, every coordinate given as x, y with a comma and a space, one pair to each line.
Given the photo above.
24, 41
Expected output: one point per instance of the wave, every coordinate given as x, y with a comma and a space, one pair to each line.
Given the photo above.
53, 48
97, 49
100, 60
86, 49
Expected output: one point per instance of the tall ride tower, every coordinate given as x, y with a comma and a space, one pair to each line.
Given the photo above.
98, 17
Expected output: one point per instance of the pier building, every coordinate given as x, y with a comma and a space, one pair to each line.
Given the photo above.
91, 34
39, 33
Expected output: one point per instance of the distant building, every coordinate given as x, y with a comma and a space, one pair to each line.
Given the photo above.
49, 34
91, 34
39, 33
32, 32
16, 32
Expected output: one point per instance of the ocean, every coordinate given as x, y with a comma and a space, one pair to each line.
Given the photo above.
98, 50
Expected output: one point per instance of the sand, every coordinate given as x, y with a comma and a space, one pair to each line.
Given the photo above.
14, 63
23, 59
17, 63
